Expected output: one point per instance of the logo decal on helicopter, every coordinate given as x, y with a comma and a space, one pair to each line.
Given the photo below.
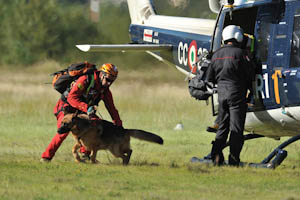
188, 53
262, 81
192, 55
275, 77
148, 35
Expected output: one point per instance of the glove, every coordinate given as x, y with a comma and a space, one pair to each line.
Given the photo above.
91, 111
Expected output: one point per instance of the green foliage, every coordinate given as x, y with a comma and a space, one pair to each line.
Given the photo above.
37, 30
29, 28
114, 23
33, 30
192, 8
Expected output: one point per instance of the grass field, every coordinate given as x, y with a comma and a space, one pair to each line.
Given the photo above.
155, 100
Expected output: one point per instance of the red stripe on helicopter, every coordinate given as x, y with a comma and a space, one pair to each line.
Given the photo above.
148, 35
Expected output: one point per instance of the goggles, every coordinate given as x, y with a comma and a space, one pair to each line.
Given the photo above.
110, 80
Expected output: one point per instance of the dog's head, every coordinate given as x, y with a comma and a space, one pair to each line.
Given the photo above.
73, 122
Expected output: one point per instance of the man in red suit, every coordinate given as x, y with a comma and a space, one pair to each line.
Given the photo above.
84, 96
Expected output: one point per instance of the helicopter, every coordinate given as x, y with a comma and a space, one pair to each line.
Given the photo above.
273, 29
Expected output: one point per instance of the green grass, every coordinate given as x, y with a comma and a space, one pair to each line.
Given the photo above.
151, 99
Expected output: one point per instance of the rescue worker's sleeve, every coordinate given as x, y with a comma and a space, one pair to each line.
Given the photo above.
76, 94
210, 74
110, 106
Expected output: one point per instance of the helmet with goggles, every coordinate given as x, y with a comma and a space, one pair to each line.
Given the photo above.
109, 70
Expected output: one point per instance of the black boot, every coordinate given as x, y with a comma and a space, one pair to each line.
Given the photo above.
234, 152
212, 129
233, 160
216, 152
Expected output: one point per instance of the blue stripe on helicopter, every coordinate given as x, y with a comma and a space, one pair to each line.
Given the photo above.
146, 34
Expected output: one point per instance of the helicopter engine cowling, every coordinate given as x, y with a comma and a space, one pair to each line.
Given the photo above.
215, 5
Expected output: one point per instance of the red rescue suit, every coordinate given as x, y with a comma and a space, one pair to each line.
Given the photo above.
80, 98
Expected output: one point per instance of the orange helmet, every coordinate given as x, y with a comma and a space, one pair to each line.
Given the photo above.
110, 70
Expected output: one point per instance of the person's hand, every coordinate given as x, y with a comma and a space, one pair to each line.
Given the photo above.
91, 111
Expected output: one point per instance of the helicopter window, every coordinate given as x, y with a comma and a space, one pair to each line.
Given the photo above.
295, 50
263, 39
238, 18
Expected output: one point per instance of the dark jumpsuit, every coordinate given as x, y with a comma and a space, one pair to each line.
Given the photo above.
230, 69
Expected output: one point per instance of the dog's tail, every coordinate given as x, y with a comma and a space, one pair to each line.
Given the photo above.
144, 135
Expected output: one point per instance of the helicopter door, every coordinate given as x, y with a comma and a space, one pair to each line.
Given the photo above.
272, 38
292, 75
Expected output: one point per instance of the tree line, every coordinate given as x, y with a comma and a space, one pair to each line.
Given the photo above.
34, 30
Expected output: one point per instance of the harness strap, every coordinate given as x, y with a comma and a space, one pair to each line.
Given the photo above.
60, 110
92, 82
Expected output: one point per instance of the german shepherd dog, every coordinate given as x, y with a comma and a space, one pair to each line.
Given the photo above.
95, 135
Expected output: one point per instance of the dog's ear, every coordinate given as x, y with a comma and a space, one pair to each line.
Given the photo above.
81, 122
77, 123
75, 119
68, 118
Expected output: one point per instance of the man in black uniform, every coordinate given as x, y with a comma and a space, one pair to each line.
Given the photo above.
231, 70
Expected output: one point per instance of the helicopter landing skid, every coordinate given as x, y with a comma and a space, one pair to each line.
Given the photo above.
278, 153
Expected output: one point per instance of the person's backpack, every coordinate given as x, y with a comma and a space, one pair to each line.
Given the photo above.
198, 87
62, 79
